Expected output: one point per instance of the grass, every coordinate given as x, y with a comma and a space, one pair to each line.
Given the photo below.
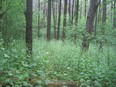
57, 60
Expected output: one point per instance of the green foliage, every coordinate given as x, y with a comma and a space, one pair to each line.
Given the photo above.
54, 60
12, 22
60, 61
64, 61
75, 32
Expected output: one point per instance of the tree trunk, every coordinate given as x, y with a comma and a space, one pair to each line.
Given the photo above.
85, 8
64, 21
95, 28
114, 19
39, 18
77, 11
91, 15
69, 10
72, 11
89, 23
28, 15
5, 35
54, 19
111, 13
81, 3
1, 9
58, 31
49, 20
104, 16
99, 12
56, 11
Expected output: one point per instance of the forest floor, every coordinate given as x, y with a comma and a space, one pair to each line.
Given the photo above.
61, 61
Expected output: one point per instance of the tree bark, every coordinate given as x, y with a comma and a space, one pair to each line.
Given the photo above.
69, 9
28, 15
1, 9
49, 20
99, 12
89, 23
103, 17
77, 12
72, 11
54, 19
91, 15
114, 19
64, 21
95, 28
81, 3
59, 15
85, 7
39, 18
111, 13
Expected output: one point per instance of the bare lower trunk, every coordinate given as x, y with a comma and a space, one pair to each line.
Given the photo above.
49, 20
28, 16
89, 23
64, 21
58, 31
114, 19
54, 19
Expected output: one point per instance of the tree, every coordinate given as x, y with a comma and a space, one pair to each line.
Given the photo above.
54, 18
59, 15
28, 15
95, 28
89, 23
99, 12
111, 13
81, 8
69, 9
72, 11
114, 19
49, 20
85, 7
104, 16
64, 20
77, 11
39, 18
91, 15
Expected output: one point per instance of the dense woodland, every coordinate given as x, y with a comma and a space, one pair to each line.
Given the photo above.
57, 43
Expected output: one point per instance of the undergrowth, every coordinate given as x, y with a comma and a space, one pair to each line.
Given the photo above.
57, 60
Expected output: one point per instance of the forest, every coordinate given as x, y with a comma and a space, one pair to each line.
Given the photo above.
57, 43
